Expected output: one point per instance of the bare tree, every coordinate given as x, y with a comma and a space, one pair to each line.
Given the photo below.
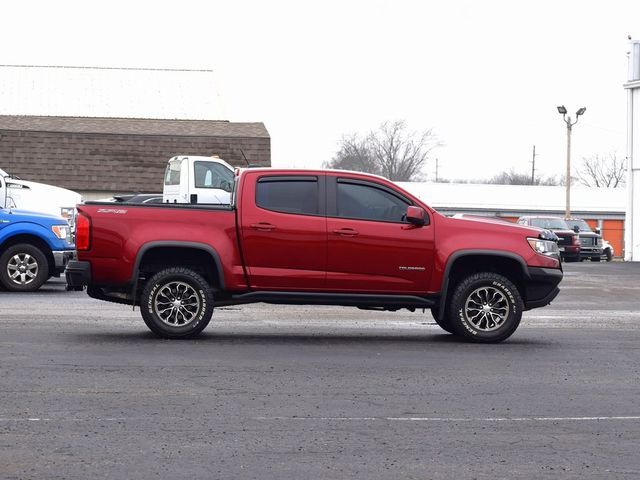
597, 171
354, 154
514, 178
390, 151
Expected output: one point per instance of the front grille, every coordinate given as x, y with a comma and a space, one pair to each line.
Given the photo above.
587, 242
565, 240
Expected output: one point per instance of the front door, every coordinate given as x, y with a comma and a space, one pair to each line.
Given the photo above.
371, 248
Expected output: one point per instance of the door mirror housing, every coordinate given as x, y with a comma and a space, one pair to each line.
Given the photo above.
598, 231
576, 229
415, 215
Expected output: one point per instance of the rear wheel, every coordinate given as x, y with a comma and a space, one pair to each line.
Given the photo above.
177, 303
485, 308
23, 268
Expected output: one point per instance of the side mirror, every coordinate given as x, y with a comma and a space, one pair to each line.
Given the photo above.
415, 215
576, 229
598, 231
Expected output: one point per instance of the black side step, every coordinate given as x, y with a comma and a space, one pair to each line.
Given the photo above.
339, 299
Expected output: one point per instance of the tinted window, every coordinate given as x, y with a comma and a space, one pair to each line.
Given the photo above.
289, 194
369, 203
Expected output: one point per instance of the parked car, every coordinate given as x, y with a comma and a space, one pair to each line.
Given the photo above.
37, 197
568, 240
33, 248
590, 241
138, 198
313, 237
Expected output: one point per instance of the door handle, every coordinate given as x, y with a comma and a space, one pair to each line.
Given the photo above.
346, 232
263, 227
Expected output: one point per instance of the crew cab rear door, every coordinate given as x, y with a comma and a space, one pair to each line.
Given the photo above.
284, 230
371, 248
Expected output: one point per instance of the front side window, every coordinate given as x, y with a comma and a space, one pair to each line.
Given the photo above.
367, 202
298, 195
212, 175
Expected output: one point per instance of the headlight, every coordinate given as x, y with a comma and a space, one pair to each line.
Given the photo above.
61, 231
543, 247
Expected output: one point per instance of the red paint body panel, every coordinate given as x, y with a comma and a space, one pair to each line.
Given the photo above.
296, 252
118, 234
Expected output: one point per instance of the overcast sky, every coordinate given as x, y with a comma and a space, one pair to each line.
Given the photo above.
486, 76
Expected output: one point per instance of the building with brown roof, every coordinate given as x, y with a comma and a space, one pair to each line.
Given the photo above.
100, 156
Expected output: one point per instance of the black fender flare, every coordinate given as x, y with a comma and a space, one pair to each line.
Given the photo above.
193, 245
444, 290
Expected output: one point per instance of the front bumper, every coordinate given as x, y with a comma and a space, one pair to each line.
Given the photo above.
541, 287
61, 258
78, 274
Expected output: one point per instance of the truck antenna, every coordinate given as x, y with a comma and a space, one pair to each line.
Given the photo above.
245, 158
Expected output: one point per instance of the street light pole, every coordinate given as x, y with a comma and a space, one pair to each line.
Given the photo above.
567, 119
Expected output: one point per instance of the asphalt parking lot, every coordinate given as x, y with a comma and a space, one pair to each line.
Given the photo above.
322, 392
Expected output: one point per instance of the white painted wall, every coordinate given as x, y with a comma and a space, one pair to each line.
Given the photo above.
632, 230
110, 92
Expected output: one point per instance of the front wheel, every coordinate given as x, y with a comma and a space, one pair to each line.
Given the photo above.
443, 323
485, 308
608, 254
176, 303
23, 268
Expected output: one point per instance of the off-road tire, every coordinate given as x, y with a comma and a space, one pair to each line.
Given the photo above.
27, 264
176, 303
485, 308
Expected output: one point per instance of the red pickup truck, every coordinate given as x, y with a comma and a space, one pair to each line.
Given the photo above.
313, 237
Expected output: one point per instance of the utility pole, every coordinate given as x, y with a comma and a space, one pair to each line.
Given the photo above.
563, 111
533, 167
436, 170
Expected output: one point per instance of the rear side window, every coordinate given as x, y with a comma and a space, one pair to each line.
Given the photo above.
367, 202
298, 195
172, 173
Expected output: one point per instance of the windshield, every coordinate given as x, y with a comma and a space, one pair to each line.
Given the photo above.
172, 174
550, 223
581, 224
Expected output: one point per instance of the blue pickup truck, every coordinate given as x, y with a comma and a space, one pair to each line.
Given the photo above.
33, 248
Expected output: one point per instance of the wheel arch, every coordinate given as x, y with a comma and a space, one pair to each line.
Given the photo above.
465, 262
34, 241
182, 254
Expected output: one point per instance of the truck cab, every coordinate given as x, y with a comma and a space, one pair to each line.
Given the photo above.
195, 179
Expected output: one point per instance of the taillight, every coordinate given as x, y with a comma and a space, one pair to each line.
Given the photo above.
83, 232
